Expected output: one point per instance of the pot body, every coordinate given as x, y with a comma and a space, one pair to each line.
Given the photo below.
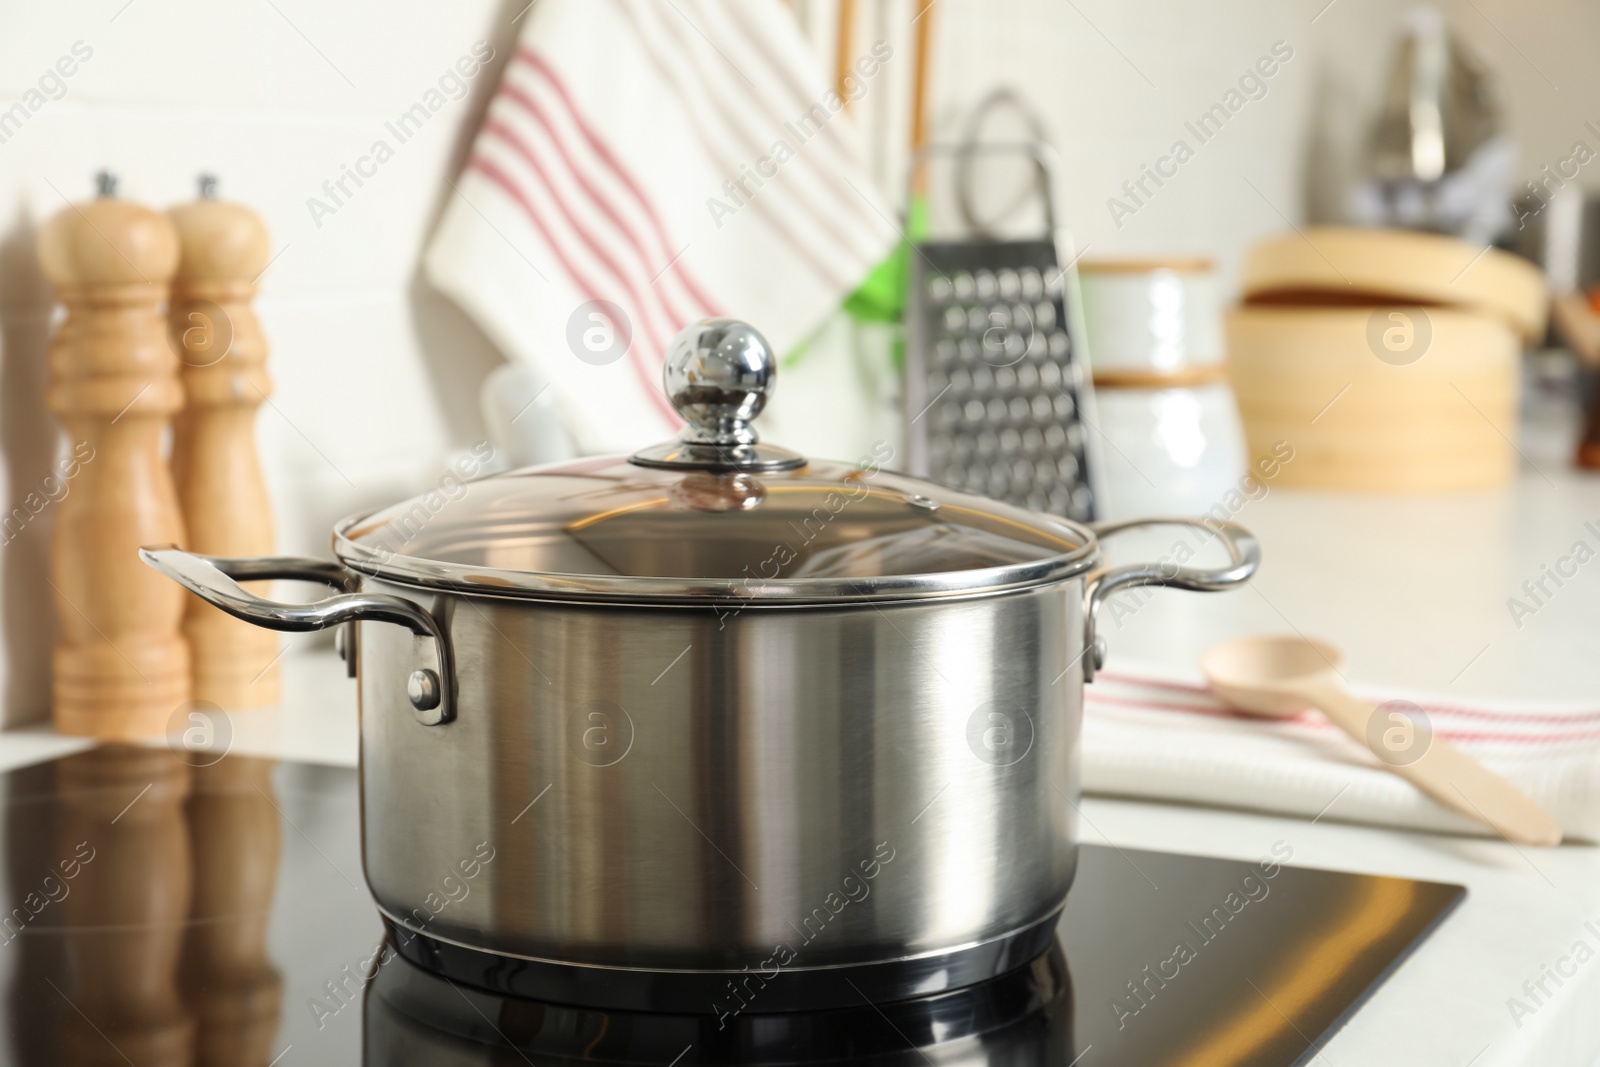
693, 789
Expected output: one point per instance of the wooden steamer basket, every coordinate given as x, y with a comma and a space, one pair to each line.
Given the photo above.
1388, 361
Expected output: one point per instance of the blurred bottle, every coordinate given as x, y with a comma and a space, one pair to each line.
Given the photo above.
523, 418
1440, 159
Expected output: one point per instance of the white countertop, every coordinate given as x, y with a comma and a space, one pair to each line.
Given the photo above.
1414, 590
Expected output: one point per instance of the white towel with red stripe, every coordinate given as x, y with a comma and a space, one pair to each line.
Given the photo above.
671, 160
1152, 731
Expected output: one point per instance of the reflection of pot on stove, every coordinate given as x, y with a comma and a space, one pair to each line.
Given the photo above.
126, 908
1022, 1017
226, 976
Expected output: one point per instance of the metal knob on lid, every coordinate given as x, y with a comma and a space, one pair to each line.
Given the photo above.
718, 374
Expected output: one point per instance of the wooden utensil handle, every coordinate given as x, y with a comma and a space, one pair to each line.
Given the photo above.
1443, 771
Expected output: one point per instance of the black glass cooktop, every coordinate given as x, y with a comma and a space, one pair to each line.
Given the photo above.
160, 913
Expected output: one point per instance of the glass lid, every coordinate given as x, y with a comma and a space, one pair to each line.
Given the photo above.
713, 515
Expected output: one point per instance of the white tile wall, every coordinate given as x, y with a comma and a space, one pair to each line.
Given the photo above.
1114, 84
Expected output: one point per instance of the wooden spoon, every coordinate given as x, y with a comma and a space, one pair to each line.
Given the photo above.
1281, 676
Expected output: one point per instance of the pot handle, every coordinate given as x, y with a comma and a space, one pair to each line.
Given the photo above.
215, 579
1243, 550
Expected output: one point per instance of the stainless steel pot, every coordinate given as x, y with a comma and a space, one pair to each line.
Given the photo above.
713, 728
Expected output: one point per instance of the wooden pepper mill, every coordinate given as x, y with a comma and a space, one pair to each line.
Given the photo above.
121, 666
224, 248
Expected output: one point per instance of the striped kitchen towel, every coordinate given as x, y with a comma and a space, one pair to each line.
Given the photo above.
643, 165
1153, 731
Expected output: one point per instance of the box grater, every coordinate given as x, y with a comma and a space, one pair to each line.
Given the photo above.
994, 388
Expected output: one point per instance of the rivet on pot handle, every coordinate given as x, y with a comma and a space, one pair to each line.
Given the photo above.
215, 579
1243, 550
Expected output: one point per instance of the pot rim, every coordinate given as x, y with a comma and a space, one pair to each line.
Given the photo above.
539, 585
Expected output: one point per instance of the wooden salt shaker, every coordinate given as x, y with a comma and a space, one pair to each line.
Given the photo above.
121, 666
224, 248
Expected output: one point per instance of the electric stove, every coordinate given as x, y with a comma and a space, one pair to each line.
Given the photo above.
174, 908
